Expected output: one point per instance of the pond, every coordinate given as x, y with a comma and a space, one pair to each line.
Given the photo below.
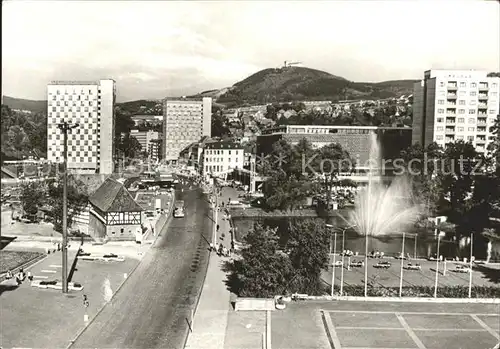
421, 246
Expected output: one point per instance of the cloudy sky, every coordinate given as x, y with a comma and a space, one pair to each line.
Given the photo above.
154, 49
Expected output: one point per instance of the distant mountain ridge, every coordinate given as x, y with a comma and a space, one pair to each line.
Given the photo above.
25, 104
303, 84
268, 86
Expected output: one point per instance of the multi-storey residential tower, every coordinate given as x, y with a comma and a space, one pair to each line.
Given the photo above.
91, 106
145, 138
184, 121
451, 105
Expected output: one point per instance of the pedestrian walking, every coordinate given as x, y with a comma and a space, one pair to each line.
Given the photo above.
8, 276
30, 276
22, 274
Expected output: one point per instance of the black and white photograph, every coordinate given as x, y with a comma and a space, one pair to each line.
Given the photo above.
266, 174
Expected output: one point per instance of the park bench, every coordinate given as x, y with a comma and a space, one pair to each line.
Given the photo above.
299, 296
413, 267
462, 269
357, 264
382, 265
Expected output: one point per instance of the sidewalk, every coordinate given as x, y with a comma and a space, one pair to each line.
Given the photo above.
51, 318
211, 319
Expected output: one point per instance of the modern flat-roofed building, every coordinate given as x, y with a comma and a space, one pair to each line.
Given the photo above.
451, 105
185, 121
91, 106
145, 138
147, 119
361, 142
155, 149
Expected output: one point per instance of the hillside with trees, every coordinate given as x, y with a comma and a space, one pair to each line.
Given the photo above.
299, 84
23, 134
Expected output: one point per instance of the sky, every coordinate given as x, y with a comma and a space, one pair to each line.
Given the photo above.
154, 49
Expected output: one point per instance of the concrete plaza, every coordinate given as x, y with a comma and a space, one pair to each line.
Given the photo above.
348, 325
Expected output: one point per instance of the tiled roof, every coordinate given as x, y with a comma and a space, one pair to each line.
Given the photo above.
224, 145
113, 197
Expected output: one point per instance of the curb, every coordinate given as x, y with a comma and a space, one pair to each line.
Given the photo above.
404, 299
169, 218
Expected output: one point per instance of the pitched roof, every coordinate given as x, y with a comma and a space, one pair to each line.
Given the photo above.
113, 197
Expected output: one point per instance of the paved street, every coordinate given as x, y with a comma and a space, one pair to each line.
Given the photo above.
152, 308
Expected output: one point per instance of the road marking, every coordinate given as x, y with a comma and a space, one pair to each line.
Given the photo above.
40, 277
55, 266
373, 348
403, 312
414, 329
330, 328
49, 271
410, 332
369, 328
486, 327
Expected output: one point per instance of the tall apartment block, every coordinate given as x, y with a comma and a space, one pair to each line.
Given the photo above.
145, 138
451, 105
91, 106
185, 121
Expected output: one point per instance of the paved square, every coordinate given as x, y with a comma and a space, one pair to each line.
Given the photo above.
349, 329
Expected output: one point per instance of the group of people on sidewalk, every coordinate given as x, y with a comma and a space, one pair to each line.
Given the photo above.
20, 276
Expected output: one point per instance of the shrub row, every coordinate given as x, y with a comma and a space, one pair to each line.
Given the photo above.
423, 291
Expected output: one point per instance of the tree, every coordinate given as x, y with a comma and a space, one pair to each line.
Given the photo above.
129, 146
123, 121
334, 160
308, 244
219, 123
460, 166
76, 202
32, 197
494, 146
422, 165
262, 271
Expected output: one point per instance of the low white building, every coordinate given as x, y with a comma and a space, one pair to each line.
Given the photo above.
220, 158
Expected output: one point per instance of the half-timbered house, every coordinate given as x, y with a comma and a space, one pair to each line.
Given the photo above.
114, 214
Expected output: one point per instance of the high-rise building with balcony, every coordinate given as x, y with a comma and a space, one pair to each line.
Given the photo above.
185, 121
451, 105
91, 106
145, 138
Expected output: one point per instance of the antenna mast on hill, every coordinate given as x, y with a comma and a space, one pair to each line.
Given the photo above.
290, 64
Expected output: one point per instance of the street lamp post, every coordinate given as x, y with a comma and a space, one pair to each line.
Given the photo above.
402, 263
342, 266
366, 263
65, 127
470, 267
333, 264
415, 249
343, 259
437, 268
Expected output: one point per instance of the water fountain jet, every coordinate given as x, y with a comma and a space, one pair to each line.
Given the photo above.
381, 210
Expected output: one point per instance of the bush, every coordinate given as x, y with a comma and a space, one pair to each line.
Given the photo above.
423, 291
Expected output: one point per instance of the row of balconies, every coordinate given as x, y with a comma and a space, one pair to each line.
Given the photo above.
453, 85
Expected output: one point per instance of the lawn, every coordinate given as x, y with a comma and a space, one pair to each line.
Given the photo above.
10, 260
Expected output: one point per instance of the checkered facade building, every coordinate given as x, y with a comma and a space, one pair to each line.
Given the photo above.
91, 106
185, 121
